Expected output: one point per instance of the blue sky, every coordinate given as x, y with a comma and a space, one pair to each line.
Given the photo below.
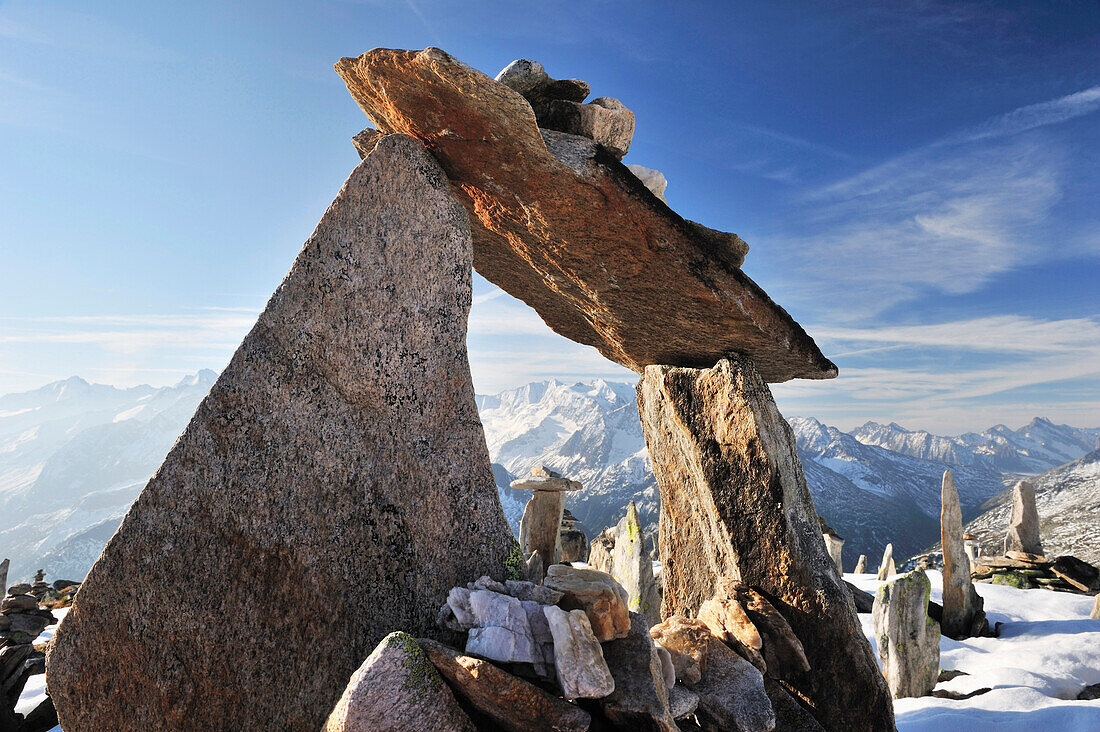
918, 182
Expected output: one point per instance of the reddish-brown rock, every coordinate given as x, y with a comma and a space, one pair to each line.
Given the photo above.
563, 226
510, 702
734, 506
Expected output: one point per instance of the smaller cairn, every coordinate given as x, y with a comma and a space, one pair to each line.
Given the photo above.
834, 543
1023, 525
574, 544
540, 527
887, 568
963, 614
908, 639
21, 622
600, 552
861, 564
632, 568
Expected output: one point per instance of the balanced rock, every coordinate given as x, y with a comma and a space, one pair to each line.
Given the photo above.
530, 79
595, 592
539, 528
632, 568
640, 699
908, 639
734, 504
963, 614
682, 703
652, 179
365, 141
578, 657
886, 568
1023, 524
861, 564
783, 651
731, 694
563, 226
687, 641
514, 704
340, 448
605, 120
397, 683
21, 588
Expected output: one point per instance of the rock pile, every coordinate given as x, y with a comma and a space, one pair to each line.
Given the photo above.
574, 544
908, 638
21, 622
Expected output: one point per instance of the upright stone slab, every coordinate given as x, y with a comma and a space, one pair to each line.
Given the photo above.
1023, 524
908, 639
4, 575
861, 564
886, 568
734, 504
333, 486
963, 614
633, 569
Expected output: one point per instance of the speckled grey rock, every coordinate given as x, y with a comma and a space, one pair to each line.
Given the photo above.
396, 685
605, 120
632, 568
640, 699
340, 448
731, 694
963, 613
908, 639
681, 702
1023, 524
734, 504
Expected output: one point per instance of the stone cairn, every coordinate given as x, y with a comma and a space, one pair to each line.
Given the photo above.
1023, 564
908, 638
380, 479
540, 526
21, 622
574, 544
834, 543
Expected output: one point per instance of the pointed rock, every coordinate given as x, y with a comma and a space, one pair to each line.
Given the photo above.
599, 554
578, 657
397, 683
886, 568
1023, 524
632, 568
734, 503
731, 694
962, 606
566, 228
640, 699
908, 639
861, 564
514, 704
597, 593
340, 448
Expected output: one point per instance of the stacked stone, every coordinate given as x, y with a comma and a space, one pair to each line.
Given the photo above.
834, 543
40, 588
573, 542
540, 527
21, 622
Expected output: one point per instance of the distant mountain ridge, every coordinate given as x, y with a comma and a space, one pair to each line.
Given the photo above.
74, 455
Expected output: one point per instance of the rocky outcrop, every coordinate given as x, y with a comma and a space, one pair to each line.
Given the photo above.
513, 704
396, 685
597, 593
908, 639
1023, 524
340, 448
578, 657
963, 614
563, 226
734, 504
632, 568
640, 698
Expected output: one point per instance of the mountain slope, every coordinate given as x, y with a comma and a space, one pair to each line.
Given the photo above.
1068, 501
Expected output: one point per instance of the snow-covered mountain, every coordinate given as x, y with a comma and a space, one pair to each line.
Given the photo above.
1036, 447
589, 432
73, 457
1068, 502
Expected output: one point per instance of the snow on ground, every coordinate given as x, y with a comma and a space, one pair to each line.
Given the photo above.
1048, 651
